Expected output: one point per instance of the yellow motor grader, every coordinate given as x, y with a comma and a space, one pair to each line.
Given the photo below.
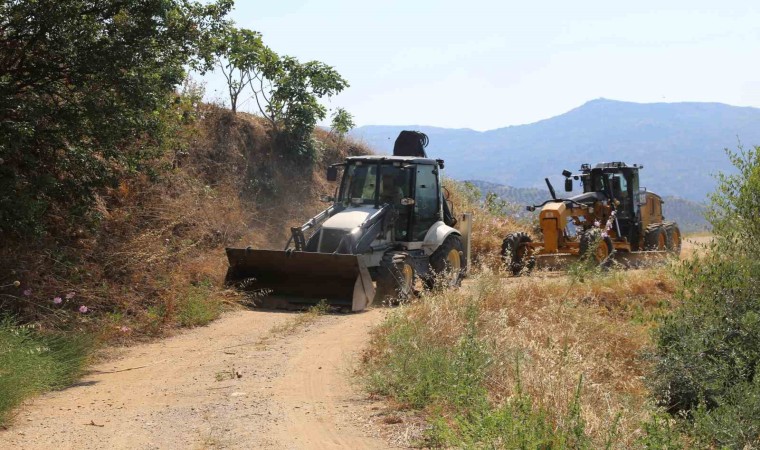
612, 220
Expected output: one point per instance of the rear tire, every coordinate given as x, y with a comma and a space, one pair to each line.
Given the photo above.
447, 264
655, 238
395, 278
514, 252
673, 238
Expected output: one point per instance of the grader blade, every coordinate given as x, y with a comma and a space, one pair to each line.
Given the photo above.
628, 260
288, 279
634, 260
556, 261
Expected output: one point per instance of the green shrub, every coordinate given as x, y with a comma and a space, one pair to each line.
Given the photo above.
517, 423
660, 433
708, 350
31, 363
198, 307
735, 422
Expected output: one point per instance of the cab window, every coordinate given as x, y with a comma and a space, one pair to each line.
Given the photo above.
359, 184
426, 202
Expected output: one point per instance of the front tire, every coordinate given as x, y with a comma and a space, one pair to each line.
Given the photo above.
596, 247
447, 264
514, 252
395, 278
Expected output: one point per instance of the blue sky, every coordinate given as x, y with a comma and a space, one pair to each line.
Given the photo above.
485, 64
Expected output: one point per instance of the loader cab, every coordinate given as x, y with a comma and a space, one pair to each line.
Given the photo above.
410, 185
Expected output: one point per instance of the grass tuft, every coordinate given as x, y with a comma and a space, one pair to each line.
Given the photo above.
297, 321
32, 362
199, 307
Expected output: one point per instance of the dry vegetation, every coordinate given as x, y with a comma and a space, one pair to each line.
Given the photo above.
488, 228
155, 259
541, 336
561, 330
499, 363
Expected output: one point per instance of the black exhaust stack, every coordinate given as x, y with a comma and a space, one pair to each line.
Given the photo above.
410, 143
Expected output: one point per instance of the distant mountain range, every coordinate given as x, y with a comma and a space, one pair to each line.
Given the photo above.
681, 145
688, 214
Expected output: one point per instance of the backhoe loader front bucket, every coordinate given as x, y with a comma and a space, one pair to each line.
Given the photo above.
297, 279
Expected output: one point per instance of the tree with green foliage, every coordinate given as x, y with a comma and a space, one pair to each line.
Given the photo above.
708, 350
239, 52
342, 122
287, 93
82, 87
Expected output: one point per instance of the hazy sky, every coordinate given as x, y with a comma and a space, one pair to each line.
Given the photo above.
486, 64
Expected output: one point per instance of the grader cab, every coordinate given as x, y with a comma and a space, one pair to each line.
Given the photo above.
614, 219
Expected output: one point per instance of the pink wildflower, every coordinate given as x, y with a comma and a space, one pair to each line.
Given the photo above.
83, 309
58, 300
70, 295
27, 292
125, 329
597, 224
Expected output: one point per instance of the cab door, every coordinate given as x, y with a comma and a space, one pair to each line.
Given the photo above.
427, 200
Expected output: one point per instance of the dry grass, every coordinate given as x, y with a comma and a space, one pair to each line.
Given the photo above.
161, 237
489, 228
555, 330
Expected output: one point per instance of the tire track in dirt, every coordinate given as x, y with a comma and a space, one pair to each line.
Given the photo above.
184, 392
317, 394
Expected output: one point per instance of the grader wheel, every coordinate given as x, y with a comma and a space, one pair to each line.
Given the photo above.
673, 238
592, 241
514, 252
656, 238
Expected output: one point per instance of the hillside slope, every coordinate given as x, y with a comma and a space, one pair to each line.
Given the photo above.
680, 144
154, 259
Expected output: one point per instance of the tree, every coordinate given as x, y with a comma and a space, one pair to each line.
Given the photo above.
82, 84
342, 122
287, 93
238, 52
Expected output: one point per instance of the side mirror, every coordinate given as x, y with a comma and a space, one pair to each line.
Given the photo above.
566, 173
568, 185
332, 173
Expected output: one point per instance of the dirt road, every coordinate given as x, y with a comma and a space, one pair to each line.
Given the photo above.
218, 386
